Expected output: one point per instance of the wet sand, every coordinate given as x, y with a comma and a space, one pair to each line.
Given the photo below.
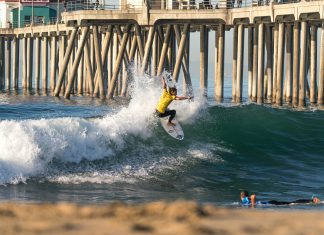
176, 218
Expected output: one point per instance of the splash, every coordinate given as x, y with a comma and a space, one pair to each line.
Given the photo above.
29, 146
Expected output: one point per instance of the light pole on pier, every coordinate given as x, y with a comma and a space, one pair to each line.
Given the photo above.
57, 11
32, 22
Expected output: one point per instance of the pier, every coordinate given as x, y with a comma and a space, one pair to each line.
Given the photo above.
89, 49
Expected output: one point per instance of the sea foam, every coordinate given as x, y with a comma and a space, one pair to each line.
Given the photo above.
28, 146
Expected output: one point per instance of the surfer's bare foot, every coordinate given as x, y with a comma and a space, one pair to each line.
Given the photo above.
171, 124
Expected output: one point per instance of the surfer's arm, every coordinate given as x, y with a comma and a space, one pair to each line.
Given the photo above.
164, 83
183, 97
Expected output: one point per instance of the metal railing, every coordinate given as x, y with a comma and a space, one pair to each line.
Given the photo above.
214, 4
27, 23
77, 5
173, 4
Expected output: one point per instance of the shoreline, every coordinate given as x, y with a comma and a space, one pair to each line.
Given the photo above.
180, 217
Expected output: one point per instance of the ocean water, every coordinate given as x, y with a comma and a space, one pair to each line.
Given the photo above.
90, 151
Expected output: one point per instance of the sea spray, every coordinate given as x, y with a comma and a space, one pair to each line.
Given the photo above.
28, 147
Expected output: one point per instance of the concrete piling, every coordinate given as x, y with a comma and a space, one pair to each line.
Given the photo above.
255, 64
296, 64
302, 71
269, 40
313, 65
279, 78
15, 62
234, 63
220, 63
320, 96
203, 60
260, 93
53, 64
240, 56
289, 65
44, 63
37, 63
8, 63
250, 61
29, 62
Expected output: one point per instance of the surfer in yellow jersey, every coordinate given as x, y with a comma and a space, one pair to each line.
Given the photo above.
168, 95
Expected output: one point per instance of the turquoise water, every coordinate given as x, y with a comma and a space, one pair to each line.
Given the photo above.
91, 151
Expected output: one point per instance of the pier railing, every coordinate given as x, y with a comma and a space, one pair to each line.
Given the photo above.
175, 4
77, 5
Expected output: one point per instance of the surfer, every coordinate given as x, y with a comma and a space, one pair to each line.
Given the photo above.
251, 200
168, 95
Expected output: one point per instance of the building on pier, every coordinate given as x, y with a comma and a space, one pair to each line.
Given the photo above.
21, 13
6, 7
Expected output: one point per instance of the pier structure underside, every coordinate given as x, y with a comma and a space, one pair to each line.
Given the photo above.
92, 52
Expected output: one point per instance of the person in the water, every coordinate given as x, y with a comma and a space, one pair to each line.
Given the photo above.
250, 200
168, 95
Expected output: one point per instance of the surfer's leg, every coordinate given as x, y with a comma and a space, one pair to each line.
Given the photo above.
172, 114
279, 203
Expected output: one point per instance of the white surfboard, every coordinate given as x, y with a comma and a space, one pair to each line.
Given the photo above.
169, 82
174, 131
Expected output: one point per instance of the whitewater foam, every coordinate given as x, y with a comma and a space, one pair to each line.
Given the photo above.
28, 146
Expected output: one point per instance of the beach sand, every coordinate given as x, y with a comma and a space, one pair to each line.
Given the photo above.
177, 218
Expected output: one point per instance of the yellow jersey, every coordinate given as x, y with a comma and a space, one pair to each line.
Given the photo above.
165, 100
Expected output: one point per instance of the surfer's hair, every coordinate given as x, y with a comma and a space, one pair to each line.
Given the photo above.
245, 193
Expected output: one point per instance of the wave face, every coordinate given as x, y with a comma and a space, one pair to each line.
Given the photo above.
124, 154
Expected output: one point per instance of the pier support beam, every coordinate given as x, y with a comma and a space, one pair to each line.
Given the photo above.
240, 61
185, 60
147, 51
30, 62
15, 62
37, 62
65, 62
289, 64
296, 64
89, 71
255, 64
2, 62
53, 64
303, 59
154, 54
234, 63
24, 63
203, 60
275, 62
139, 41
260, 64
164, 50
269, 62
104, 53
220, 40
320, 98
120, 57
76, 62
281, 46
181, 50
80, 72
44, 64
61, 59
250, 61
8, 63
313, 65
